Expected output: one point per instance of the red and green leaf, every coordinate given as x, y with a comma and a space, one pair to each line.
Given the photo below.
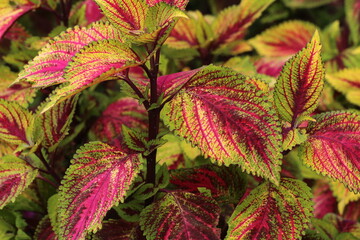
85, 13
333, 147
15, 176
271, 212
181, 215
125, 111
183, 35
97, 179
10, 11
52, 126
116, 230
227, 184
232, 23
293, 137
177, 3
97, 62
49, 66
44, 230
15, 121
324, 201
229, 119
300, 84
343, 195
285, 39
347, 81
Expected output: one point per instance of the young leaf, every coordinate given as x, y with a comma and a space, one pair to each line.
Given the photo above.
181, 215
347, 81
284, 39
293, 137
52, 126
227, 184
229, 119
125, 111
48, 67
14, 122
299, 86
15, 176
97, 179
93, 64
332, 148
10, 11
232, 23
271, 212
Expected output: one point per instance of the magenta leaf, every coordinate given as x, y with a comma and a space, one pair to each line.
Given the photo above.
10, 11
333, 147
48, 67
177, 3
15, 123
125, 111
324, 201
15, 176
227, 184
52, 126
44, 230
300, 84
229, 119
181, 215
97, 179
272, 212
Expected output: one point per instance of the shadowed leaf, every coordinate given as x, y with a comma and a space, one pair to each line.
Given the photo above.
271, 212
15, 176
181, 215
97, 179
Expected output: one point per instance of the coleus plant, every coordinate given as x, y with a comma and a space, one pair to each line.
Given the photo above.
167, 151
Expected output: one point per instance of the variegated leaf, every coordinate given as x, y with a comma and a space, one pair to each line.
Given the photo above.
85, 13
10, 11
48, 67
15, 121
116, 230
93, 64
183, 35
343, 195
52, 126
299, 86
333, 147
284, 39
347, 81
177, 3
271, 212
270, 66
324, 201
293, 137
227, 184
232, 23
125, 111
15, 176
229, 119
97, 179
352, 11
44, 230
181, 215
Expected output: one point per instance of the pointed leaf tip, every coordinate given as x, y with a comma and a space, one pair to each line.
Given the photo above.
98, 174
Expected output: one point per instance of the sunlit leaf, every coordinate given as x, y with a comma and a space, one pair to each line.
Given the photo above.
227, 184
229, 120
14, 122
15, 176
232, 23
347, 81
271, 212
93, 64
177, 3
48, 67
352, 11
183, 35
10, 11
299, 86
52, 126
97, 179
181, 215
284, 39
333, 147
125, 111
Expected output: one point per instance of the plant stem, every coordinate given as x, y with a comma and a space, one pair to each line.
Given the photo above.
154, 119
49, 168
55, 185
